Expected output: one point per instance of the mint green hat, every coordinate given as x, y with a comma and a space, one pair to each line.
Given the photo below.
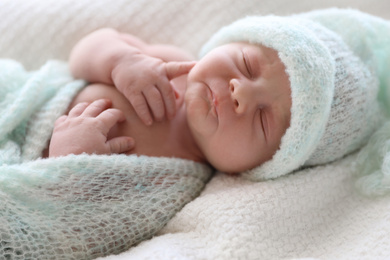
334, 107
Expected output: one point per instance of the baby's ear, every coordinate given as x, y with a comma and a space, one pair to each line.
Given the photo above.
175, 68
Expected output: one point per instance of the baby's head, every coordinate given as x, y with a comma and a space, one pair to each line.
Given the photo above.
272, 94
238, 105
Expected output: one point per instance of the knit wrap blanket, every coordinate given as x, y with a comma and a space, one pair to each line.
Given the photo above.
76, 206
368, 37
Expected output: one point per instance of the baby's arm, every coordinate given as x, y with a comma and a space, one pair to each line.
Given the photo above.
137, 69
85, 130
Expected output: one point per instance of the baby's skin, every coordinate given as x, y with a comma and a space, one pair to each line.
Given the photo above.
230, 109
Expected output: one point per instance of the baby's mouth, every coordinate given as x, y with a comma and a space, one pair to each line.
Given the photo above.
213, 101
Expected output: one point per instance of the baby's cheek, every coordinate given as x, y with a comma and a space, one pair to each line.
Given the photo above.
225, 158
236, 156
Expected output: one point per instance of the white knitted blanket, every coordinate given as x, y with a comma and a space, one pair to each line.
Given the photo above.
314, 213
76, 206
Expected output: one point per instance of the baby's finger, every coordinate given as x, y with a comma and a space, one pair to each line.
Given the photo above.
109, 118
155, 102
60, 120
97, 107
121, 144
78, 109
169, 97
141, 108
175, 68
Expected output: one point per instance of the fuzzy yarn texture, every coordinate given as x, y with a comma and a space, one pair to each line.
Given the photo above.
314, 213
76, 206
373, 164
335, 75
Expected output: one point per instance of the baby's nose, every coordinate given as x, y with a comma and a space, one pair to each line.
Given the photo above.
242, 95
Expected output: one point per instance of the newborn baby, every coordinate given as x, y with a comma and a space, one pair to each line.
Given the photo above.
268, 96
231, 110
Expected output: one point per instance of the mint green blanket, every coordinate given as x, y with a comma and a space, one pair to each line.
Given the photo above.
75, 207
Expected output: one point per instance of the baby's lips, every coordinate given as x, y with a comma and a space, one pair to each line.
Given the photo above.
179, 99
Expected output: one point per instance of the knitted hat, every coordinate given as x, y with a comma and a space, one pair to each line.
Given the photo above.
334, 108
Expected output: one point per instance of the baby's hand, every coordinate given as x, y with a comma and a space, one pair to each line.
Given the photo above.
85, 129
146, 84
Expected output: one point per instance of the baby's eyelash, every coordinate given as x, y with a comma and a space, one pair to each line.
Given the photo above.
247, 64
262, 119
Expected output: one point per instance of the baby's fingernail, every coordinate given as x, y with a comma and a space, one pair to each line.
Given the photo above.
148, 122
130, 143
104, 101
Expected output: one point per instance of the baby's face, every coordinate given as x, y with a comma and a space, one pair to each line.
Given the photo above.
238, 102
